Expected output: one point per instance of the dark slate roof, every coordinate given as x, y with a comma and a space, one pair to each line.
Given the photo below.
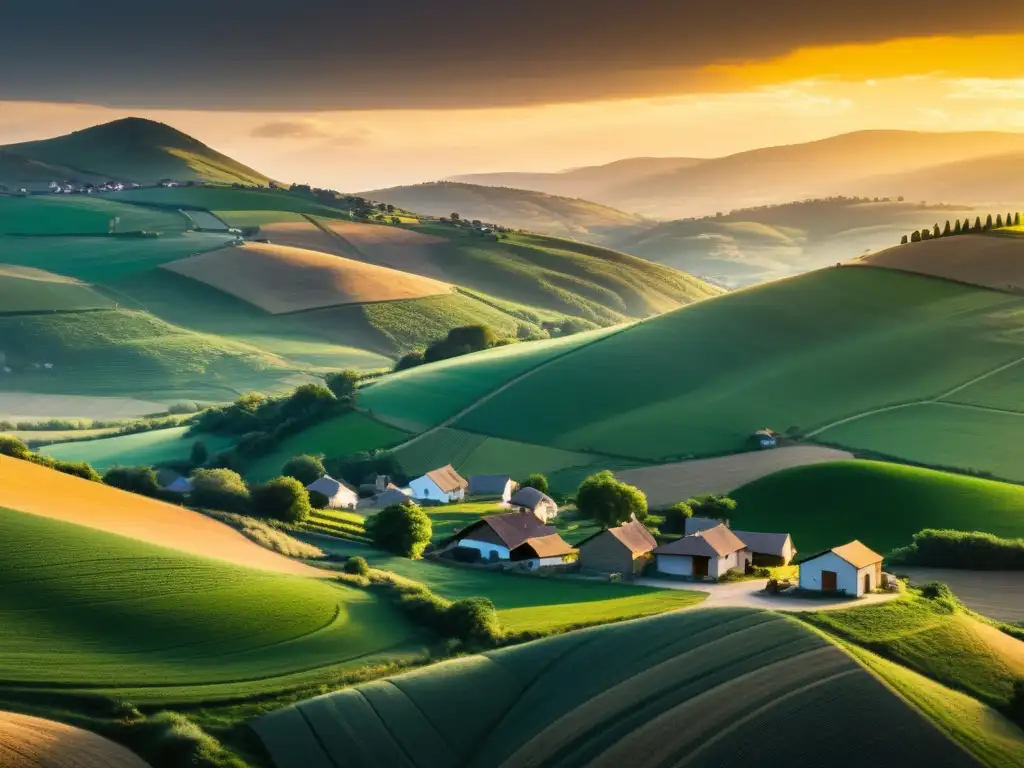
488, 485
513, 529
714, 542
530, 498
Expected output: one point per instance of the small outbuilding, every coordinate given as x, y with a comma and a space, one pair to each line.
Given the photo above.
444, 485
180, 485
492, 486
339, 495
540, 504
851, 568
625, 549
768, 549
710, 553
542, 551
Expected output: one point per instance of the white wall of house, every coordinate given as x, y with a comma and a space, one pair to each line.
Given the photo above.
737, 560
485, 548
677, 565
543, 562
509, 490
425, 488
344, 499
848, 578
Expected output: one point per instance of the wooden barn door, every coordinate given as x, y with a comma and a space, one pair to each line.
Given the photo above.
700, 565
828, 581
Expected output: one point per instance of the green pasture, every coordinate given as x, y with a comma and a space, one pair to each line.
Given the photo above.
259, 218
87, 609
430, 394
802, 353
81, 215
617, 695
882, 505
144, 448
334, 438
28, 294
105, 257
130, 353
942, 436
226, 200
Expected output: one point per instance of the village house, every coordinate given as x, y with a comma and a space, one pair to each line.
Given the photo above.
540, 504
444, 485
851, 568
492, 486
768, 549
625, 549
707, 553
517, 536
339, 495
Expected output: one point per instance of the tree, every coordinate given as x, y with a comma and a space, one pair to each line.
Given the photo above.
904, 240
926, 234
999, 221
936, 232
948, 229
403, 529
343, 384
454, 217
608, 501
472, 619
356, 565
318, 500
141, 480
956, 227
915, 237
1016, 220
476, 337
714, 505
410, 360
675, 518
307, 400
305, 468
283, 498
220, 489
82, 469
988, 222
536, 480
199, 454
977, 224
12, 446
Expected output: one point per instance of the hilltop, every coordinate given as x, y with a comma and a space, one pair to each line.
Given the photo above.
516, 208
131, 150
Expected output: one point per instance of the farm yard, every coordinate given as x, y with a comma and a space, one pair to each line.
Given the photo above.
880, 504
616, 695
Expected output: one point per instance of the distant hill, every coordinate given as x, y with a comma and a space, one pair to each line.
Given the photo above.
517, 208
589, 181
995, 179
752, 245
132, 149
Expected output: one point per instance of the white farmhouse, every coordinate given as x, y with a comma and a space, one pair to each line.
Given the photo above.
339, 495
498, 537
851, 568
707, 553
444, 485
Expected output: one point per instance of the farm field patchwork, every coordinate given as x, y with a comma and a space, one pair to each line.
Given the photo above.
939, 435
257, 218
650, 693
880, 338
147, 448
334, 438
225, 200
278, 278
880, 504
38, 491
31, 406
23, 289
89, 609
82, 215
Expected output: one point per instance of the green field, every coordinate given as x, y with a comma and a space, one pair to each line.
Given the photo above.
425, 396
224, 201
334, 438
87, 609
258, 218
144, 448
102, 258
134, 354
81, 215
32, 291
925, 636
702, 688
883, 505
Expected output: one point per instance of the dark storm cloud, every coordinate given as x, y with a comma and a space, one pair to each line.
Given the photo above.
335, 54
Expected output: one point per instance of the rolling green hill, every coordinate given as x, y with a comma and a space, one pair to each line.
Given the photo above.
516, 208
81, 215
883, 505
87, 609
132, 149
801, 353
657, 692
23, 289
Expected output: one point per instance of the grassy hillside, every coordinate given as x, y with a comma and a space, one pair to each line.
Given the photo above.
803, 353
136, 150
23, 289
881, 504
617, 695
82, 215
517, 208
147, 448
89, 609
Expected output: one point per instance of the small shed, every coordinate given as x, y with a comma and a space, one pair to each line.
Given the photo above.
495, 486
339, 495
769, 549
625, 549
444, 485
709, 553
532, 500
852, 568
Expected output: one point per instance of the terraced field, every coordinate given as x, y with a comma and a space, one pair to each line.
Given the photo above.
707, 688
881, 504
90, 609
147, 448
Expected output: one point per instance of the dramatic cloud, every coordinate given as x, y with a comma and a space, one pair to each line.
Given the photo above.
289, 129
323, 55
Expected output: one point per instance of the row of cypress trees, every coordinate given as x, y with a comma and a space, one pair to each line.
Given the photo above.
1012, 220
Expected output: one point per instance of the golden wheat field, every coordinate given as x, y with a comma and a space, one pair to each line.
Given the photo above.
31, 742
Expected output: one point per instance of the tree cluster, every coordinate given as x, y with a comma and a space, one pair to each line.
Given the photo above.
937, 548
963, 228
609, 501
459, 341
12, 446
403, 529
283, 498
